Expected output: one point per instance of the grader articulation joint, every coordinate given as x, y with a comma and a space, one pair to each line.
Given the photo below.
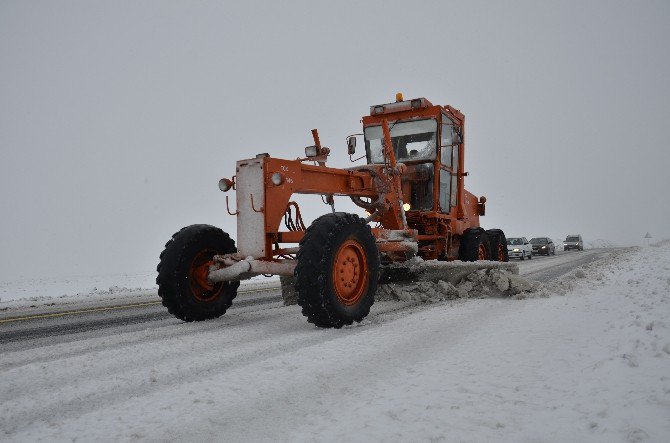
412, 187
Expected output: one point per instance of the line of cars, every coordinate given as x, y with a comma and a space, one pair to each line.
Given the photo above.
521, 248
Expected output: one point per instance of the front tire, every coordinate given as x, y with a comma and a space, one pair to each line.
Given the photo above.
337, 271
183, 269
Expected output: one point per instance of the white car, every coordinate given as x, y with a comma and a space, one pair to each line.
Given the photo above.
519, 247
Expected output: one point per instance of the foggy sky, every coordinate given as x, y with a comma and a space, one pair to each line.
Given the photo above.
117, 119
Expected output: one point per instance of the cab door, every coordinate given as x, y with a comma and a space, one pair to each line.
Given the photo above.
449, 140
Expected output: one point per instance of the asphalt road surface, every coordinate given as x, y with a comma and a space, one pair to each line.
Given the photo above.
42, 328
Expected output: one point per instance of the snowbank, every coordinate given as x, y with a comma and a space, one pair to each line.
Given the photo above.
599, 243
478, 284
112, 287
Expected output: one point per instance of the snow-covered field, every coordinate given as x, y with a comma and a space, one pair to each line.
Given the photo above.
588, 359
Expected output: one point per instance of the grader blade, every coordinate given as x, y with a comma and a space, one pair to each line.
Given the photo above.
435, 271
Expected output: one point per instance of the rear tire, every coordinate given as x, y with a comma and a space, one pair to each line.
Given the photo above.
182, 274
475, 245
498, 243
337, 270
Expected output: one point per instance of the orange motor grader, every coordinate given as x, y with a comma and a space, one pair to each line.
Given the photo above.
411, 187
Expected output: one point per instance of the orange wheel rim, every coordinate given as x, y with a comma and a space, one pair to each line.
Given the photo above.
350, 273
201, 288
482, 255
501, 253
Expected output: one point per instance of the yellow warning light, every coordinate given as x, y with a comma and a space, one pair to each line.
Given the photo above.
398, 97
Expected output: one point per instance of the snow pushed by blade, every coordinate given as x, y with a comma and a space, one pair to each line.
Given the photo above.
491, 282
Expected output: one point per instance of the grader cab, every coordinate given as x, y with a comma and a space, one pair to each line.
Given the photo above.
411, 187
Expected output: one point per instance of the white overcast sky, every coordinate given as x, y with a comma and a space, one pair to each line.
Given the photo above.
117, 118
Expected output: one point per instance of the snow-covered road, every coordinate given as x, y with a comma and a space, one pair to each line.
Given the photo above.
592, 365
44, 321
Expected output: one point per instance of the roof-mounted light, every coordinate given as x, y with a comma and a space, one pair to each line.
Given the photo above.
406, 105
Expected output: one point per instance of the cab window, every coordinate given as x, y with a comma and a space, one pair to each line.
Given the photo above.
449, 140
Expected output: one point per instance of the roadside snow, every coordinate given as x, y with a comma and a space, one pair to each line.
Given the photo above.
599, 243
37, 289
590, 365
69, 290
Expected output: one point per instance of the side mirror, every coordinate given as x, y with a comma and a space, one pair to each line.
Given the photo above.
351, 145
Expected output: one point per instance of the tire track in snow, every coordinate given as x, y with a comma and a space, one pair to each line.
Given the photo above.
105, 384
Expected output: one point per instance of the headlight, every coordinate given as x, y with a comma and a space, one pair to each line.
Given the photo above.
544, 247
277, 178
516, 250
311, 151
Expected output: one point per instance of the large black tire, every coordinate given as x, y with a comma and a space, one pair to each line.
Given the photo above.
474, 245
498, 243
337, 241
182, 273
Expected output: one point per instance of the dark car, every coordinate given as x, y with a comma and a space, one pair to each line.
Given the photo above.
543, 246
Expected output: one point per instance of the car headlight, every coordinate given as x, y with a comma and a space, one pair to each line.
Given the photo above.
544, 247
516, 250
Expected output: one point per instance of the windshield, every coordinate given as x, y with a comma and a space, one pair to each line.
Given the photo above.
412, 140
572, 239
539, 241
514, 241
